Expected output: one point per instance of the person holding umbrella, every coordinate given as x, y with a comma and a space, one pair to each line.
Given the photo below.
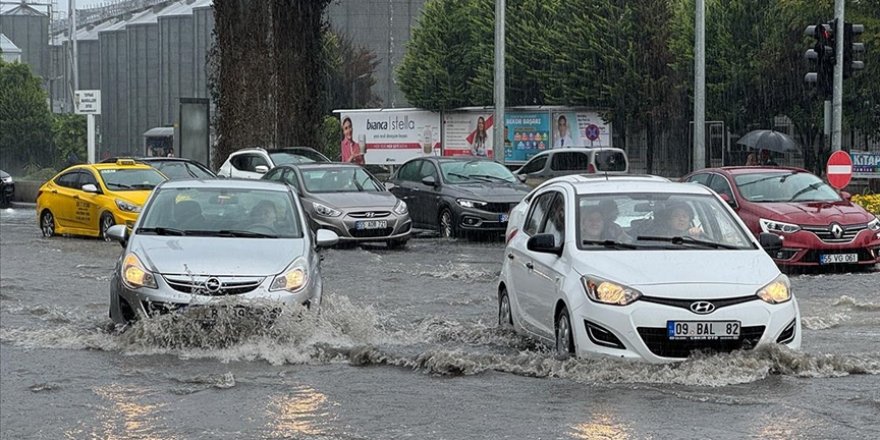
767, 159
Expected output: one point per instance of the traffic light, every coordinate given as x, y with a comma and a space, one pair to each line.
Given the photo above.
823, 53
851, 47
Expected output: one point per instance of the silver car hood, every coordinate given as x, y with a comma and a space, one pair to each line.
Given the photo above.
217, 256
364, 199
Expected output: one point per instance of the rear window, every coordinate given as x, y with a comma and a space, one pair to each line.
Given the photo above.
570, 161
610, 160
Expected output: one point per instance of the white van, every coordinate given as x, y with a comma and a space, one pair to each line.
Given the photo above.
565, 161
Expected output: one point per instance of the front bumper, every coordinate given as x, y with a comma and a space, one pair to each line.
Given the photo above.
804, 248
125, 218
347, 227
471, 219
639, 331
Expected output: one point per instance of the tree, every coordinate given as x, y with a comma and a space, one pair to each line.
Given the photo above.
25, 120
69, 134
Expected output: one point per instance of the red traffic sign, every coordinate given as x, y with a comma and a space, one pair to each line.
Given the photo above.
839, 169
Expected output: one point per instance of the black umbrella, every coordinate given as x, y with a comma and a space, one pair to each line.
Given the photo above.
769, 140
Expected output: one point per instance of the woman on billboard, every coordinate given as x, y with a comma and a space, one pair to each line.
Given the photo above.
351, 151
478, 146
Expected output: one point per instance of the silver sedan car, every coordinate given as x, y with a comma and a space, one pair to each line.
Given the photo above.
348, 200
198, 242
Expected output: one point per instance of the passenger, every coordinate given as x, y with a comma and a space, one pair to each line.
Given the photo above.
675, 221
264, 214
556, 223
751, 160
598, 223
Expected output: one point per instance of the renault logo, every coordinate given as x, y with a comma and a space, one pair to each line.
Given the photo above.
702, 307
836, 230
212, 285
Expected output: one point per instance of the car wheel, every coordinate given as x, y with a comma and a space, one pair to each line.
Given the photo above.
47, 223
396, 244
564, 336
106, 222
447, 224
505, 316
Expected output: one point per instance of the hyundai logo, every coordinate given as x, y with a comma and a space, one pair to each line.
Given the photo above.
836, 230
702, 307
369, 214
213, 285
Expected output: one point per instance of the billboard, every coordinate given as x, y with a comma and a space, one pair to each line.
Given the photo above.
468, 134
866, 164
580, 129
525, 135
389, 137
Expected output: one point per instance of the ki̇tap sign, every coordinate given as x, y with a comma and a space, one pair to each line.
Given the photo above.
87, 102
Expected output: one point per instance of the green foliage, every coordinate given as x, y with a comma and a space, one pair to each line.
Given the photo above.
330, 137
25, 120
69, 132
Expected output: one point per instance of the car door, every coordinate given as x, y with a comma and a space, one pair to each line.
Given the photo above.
522, 262
548, 269
244, 165
427, 197
534, 170
62, 202
89, 205
402, 185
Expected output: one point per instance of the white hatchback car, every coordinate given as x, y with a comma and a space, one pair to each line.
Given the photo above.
642, 269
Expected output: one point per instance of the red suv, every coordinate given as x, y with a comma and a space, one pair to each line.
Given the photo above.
818, 225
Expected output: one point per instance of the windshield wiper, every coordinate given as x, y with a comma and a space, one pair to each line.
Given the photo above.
161, 231
143, 185
246, 234
120, 185
689, 240
812, 187
611, 244
459, 175
486, 176
782, 179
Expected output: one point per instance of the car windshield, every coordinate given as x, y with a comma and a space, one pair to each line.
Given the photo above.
131, 179
222, 212
285, 157
657, 221
339, 179
181, 170
460, 171
784, 187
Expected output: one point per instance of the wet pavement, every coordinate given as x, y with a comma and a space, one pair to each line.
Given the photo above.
405, 346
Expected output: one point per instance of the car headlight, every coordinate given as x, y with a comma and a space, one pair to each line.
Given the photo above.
127, 207
467, 203
608, 292
135, 274
874, 225
400, 208
326, 211
294, 278
7, 179
777, 292
775, 226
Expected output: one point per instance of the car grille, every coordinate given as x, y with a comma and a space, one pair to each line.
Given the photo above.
501, 208
658, 342
370, 214
200, 285
367, 233
686, 303
824, 232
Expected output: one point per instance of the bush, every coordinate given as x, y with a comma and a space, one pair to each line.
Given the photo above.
871, 202
36, 173
330, 137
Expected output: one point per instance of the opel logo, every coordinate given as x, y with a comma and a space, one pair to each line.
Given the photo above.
702, 307
836, 230
370, 214
212, 285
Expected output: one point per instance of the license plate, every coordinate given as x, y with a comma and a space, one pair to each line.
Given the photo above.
838, 258
503, 218
210, 313
702, 330
371, 224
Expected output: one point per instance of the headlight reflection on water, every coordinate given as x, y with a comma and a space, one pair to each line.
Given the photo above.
301, 412
602, 426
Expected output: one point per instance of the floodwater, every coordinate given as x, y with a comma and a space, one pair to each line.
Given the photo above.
405, 346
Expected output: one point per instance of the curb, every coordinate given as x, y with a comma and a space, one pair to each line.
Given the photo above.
23, 205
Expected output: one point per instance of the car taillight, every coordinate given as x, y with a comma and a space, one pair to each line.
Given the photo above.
591, 169
511, 234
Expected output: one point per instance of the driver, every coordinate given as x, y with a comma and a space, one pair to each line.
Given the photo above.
264, 213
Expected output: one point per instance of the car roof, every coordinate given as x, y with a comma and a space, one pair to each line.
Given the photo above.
758, 169
116, 166
579, 150
151, 159
310, 165
225, 183
638, 186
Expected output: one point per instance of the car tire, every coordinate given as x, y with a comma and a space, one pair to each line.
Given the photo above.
446, 224
47, 223
564, 335
505, 313
106, 222
397, 244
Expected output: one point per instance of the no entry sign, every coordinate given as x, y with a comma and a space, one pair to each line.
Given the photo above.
839, 169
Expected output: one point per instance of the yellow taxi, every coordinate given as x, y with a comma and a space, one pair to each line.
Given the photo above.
88, 199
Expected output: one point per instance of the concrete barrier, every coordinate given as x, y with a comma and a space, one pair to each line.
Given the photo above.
26, 191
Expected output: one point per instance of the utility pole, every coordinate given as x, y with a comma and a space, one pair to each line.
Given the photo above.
74, 66
837, 99
498, 124
700, 86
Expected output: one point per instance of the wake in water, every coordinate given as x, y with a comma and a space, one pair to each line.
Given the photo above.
854, 304
343, 332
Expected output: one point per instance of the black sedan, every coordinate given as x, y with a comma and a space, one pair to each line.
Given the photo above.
457, 195
7, 189
175, 168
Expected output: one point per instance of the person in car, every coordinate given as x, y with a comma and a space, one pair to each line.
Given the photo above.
556, 222
597, 223
676, 221
264, 214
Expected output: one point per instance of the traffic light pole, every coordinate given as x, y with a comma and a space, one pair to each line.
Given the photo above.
837, 99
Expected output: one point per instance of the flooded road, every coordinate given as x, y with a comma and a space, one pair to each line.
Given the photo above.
405, 347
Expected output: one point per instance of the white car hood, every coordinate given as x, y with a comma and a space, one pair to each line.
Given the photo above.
216, 256
683, 267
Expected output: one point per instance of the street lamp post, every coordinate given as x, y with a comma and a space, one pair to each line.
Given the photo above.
498, 124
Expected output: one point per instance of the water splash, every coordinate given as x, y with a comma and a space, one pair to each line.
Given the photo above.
853, 303
824, 322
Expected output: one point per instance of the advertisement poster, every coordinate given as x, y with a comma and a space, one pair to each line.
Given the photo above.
866, 164
389, 137
525, 135
468, 134
580, 129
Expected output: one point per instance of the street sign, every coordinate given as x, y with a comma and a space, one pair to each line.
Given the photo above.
87, 102
839, 169
592, 132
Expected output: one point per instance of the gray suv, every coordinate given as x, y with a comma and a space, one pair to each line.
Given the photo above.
565, 161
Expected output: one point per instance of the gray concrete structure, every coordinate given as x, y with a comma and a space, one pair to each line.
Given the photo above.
28, 29
9, 52
384, 27
113, 40
203, 22
57, 62
143, 75
176, 59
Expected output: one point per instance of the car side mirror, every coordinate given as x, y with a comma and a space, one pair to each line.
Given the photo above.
90, 188
521, 177
771, 243
429, 181
118, 233
727, 199
545, 243
262, 169
326, 238
846, 196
